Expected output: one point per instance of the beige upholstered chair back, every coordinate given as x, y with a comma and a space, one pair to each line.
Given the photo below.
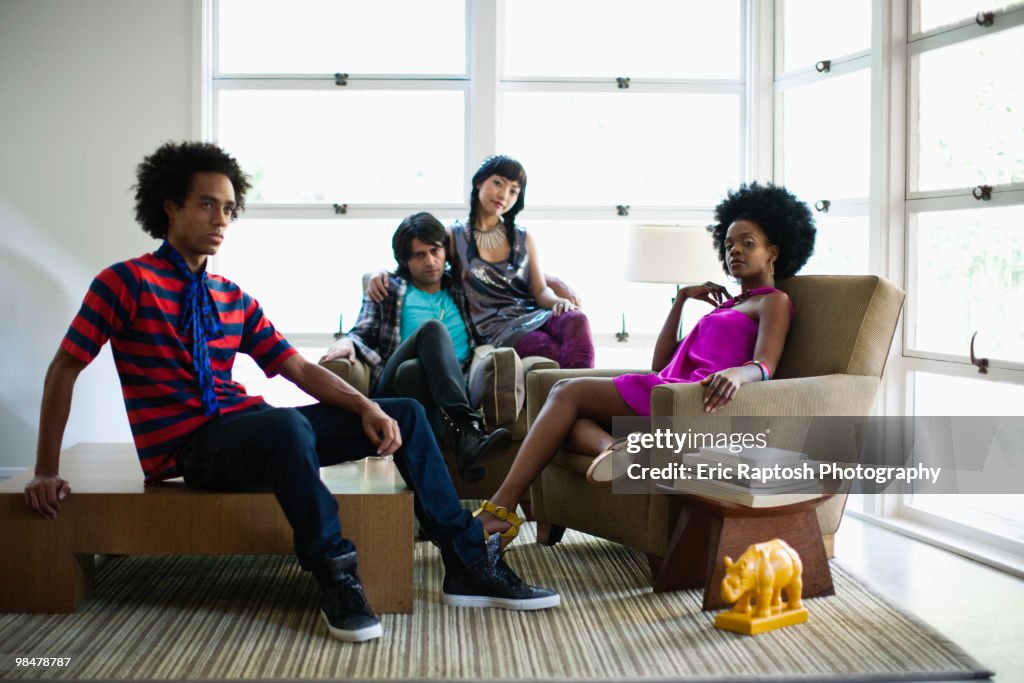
843, 325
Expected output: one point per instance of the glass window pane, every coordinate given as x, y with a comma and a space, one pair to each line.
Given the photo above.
823, 29
941, 395
605, 38
970, 113
607, 297
842, 246
316, 277
827, 138
619, 148
327, 36
970, 277
354, 146
935, 13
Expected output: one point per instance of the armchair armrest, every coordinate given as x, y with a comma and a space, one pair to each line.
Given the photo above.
355, 372
793, 413
531, 363
818, 396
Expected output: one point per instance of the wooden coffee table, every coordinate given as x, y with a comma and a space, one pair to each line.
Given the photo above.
707, 530
48, 563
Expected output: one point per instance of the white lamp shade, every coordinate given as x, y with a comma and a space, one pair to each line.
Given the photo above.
677, 254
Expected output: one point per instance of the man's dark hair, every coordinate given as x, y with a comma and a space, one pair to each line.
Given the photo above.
509, 169
167, 174
786, 221
422, 226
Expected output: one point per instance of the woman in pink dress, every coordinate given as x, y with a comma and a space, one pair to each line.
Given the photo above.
761, 232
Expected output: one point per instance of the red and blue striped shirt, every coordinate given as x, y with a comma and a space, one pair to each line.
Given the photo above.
136, 304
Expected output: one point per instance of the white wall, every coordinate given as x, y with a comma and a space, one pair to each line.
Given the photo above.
87, 90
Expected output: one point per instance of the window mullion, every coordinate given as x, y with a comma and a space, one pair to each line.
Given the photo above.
805, 76
483, 109
604, 86
961, 198
964, 30
760, 90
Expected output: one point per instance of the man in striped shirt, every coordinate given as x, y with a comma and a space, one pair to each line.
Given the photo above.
175, 330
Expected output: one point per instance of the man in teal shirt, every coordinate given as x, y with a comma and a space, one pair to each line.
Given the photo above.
417, 342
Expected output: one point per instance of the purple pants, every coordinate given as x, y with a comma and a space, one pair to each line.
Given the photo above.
564, 338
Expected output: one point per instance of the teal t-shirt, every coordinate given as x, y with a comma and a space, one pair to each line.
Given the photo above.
419, 307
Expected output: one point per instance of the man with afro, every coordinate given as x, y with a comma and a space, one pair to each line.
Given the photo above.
175, 330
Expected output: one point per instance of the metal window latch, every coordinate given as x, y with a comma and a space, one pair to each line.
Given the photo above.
982, 193
622, 82
824, 66
822, 205
622, 209
340, 79
340, 209
985, 18
980, 363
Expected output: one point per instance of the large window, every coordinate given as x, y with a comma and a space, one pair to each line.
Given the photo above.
823, 124
965, 237
965, 190
365, 112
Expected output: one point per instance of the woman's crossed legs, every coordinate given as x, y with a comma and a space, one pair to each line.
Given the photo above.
578, 412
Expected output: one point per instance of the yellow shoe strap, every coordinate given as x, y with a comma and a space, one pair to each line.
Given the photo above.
505, 515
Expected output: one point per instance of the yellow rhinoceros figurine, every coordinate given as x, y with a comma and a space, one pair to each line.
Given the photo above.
760, 575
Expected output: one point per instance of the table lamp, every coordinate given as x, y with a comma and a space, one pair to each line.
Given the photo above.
670, 254
673, 254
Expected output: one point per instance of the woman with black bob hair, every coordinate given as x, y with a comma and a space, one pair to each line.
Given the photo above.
761, 232
510, 301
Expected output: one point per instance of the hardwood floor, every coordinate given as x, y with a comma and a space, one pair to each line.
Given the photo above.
978, 607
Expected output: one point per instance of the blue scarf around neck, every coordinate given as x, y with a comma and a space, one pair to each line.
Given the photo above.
198, 320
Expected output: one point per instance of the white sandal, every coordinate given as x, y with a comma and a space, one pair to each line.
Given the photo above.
611, 463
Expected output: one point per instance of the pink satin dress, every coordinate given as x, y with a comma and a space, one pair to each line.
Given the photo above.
724, 338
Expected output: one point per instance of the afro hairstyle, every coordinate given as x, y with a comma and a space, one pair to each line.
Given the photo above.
167, 174
785, 220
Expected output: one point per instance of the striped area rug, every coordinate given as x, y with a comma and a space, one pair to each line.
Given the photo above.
255, 617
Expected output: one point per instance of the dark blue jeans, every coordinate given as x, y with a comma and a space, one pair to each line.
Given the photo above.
284, 448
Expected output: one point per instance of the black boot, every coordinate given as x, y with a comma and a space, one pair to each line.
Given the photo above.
473, 446
490, 583
342, 602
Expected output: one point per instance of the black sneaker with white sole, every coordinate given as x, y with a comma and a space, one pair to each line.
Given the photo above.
343, 604
491, 583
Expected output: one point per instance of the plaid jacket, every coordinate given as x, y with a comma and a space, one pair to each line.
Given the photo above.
378, 329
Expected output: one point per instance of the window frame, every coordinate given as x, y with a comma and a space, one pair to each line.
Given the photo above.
945, 199
896, 511
841, 65
485, 88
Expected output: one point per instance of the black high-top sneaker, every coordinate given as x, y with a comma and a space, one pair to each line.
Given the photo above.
474, 446
342, 602
491, 583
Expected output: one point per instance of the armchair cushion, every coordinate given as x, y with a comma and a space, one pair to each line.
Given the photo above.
496, 382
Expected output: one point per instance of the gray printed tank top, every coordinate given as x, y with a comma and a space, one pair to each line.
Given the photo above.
501, 302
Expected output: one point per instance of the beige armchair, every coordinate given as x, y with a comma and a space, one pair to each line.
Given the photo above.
357, 374
832, 365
